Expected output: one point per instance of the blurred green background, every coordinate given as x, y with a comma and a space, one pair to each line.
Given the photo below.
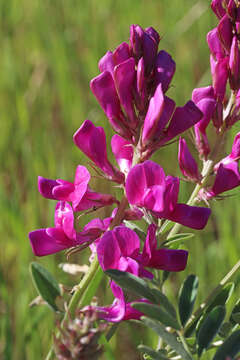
49, 53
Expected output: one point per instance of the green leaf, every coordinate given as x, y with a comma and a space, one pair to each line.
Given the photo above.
131, 283
225, 329
169, 338
187, 297
162, 300
230, 347
155, 355
222, 297
177, 238
45, 284
210, 327
157, 313
236, 317
136, 228
236, 309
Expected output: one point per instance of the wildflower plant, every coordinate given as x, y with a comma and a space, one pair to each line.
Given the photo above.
132, 89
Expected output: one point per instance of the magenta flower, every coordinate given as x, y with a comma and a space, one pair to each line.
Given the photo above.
120, 310
144, 43
163, 259
63, 235
147, 186
187, 163
91, 140
119, 249
205, 101
79, 193
227, 178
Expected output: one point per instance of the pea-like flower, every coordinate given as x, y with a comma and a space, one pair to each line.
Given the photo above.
148, 187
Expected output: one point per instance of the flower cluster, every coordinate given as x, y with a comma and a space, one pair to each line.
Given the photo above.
219, 104
131, 89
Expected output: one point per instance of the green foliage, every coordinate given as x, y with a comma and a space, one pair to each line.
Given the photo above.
209, 328
230, 347
45, 284
187, 297
157, 313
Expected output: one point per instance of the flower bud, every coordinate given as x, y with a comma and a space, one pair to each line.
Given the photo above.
225, 32
164, 69
234, 65
218, 6
219, 70
187, 163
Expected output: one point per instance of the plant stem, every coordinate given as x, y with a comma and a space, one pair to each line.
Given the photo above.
81, 287
181, 336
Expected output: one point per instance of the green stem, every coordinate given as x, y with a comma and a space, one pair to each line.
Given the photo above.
185, 345
81, 287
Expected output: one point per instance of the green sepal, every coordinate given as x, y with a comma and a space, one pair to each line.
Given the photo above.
176, 239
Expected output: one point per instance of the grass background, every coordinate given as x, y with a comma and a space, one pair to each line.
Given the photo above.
49, 53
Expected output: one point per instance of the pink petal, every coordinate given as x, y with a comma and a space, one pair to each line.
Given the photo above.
219, 70
103, 88
64, 219
202, 93
182, 119
164, 69
124, 76
123, 152
190, 216
227, 178
128, 241
91, 141
155, 109
169, 260
214, 44
150, 245
187, 163
108, 251
45, 187
44, 244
